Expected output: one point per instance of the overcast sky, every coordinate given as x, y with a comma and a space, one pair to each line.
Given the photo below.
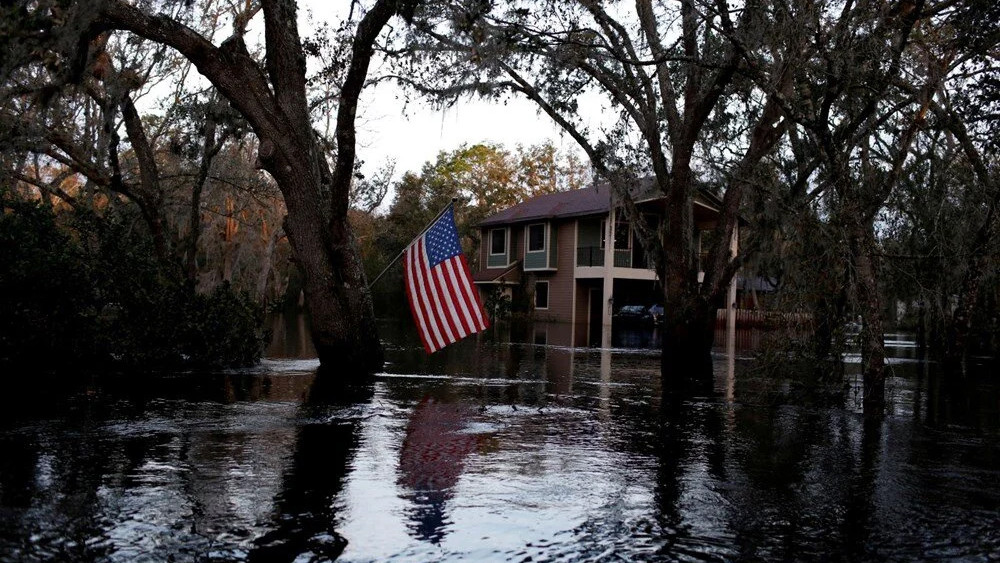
418, 135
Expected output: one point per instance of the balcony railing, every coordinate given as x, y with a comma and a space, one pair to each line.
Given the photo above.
589, 256
594, 256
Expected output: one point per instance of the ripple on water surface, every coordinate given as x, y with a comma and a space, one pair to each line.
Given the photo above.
499, 452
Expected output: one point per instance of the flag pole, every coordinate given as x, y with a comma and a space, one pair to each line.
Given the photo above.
400, 255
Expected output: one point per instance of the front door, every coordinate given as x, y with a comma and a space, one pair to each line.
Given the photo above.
596, 316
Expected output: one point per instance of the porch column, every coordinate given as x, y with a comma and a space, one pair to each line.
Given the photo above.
609, 278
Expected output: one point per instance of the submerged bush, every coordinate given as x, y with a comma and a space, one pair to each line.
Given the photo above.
92, 293
47, 298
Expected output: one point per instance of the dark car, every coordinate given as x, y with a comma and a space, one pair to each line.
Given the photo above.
634, 313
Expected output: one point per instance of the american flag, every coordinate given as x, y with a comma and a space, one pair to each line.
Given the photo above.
444, 303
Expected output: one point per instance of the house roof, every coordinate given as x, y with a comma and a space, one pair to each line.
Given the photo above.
591, 200
572, 203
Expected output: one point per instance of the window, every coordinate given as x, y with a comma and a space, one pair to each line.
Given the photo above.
542, 295
623, 234
705, 239
498, 242
536, 237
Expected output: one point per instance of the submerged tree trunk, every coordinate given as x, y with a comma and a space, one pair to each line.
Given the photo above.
341, 316
861, 246
688, 336
687, 326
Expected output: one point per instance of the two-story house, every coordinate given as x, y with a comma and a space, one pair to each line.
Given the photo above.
574, 258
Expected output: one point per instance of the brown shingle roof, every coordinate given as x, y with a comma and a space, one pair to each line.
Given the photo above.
584, 201
575, 203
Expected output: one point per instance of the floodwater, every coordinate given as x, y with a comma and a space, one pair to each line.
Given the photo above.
501, 452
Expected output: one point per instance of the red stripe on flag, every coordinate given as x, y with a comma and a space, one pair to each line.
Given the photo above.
445, 337
483, 320
448, 300
463, 293
442, 302
461, 306
423, 302
412, 299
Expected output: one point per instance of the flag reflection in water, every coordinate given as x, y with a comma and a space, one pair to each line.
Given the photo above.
431, 461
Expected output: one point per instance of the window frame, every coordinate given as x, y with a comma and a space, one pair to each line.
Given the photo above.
547, 293
506, 241
545, 237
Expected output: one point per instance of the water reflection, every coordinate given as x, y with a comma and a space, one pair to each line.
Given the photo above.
438, 440
499, 451
304, 519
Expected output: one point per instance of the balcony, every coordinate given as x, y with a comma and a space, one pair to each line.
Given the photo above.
624, 258
589, 256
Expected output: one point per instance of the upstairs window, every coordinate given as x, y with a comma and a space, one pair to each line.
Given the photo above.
536, 237
623, 234
498, 242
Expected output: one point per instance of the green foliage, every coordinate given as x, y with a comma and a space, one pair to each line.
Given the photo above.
90, 293
497, 305
47, 291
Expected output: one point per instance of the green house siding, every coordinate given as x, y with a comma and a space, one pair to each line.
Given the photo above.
553, 246
542, 259
588, 243
496, 261
535, 260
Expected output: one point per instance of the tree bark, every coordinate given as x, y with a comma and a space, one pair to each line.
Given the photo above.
687, 340
210, 148
861, 246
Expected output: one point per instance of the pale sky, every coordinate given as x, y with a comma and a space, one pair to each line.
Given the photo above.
412, 132
384, 132
413, 138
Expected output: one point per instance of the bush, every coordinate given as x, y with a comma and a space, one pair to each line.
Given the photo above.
48, 298
91, 293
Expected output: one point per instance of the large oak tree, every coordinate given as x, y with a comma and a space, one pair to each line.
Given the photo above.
670, 72
270, 92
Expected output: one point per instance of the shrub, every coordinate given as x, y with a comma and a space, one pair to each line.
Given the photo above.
91, 293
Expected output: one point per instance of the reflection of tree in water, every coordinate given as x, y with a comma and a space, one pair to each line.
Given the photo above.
305, 515
795, 481
431, 462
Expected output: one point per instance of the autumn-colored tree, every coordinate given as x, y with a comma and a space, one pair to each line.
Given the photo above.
484, 178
